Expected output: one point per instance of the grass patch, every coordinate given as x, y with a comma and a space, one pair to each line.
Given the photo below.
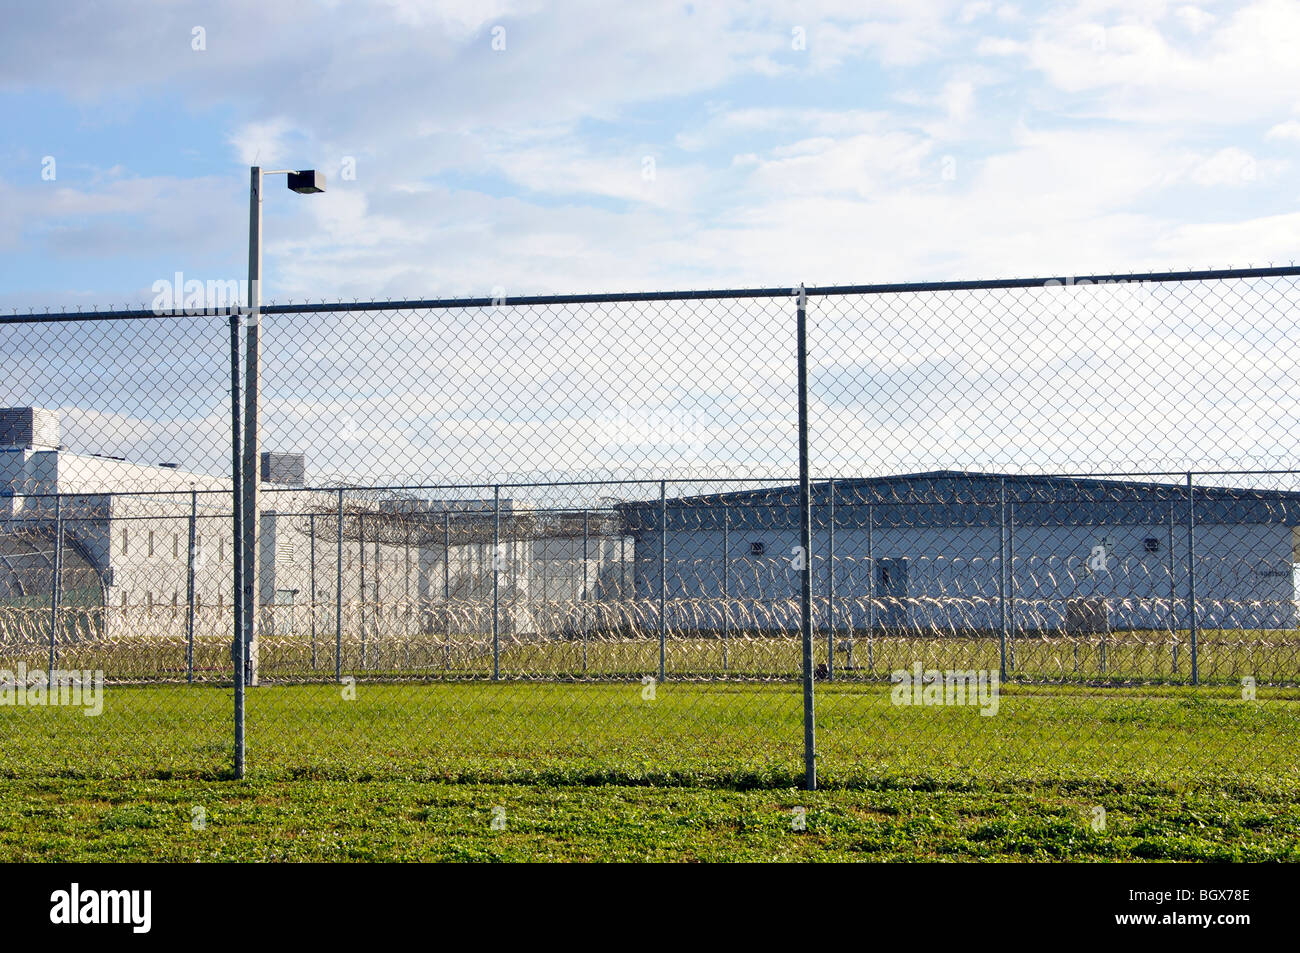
265, 820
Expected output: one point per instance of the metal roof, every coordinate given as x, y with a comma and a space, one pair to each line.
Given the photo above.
952, 498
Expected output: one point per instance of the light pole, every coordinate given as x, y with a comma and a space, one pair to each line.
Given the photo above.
304, 182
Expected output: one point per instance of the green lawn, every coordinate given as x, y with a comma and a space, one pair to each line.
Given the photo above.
706, 770
70, 820
691, 733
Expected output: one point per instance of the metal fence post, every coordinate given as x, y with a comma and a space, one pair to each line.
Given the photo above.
663, 579
830, 581
1011, 586
1191, 581
805, 544
338, 596
726, 586
446, 582
377, 613
189, 586
586, 530
496, 580
311, 555
361, 605
1173, 591
1002, 579
237, 555
56, 573
406, 596
871, 589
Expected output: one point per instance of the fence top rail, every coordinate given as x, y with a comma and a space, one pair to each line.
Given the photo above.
434, 304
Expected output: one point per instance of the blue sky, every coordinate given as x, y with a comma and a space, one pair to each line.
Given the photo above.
821, 141
574, 147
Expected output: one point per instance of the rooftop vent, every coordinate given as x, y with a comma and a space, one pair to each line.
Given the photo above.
29, 427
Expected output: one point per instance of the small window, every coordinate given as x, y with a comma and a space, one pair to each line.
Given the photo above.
1151, 544
176, 545
757, 549
150, 543
126, 542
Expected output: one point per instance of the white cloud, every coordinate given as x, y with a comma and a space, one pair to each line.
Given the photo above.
262, 142
1229, 166
1195, 19
1289, 130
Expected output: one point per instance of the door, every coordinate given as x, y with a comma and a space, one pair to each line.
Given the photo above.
891, 591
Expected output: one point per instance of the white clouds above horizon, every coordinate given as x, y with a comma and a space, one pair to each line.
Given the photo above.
646, 146
592, 137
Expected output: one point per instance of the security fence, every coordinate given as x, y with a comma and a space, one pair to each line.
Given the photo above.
1028, 528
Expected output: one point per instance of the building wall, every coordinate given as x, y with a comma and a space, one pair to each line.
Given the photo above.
1244, 576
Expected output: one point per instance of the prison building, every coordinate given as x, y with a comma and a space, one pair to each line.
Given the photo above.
373, 564
954, 552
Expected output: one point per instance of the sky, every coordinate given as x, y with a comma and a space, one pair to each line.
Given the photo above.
531, 147
502, 147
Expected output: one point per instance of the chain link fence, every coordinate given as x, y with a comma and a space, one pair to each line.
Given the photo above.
1048, 529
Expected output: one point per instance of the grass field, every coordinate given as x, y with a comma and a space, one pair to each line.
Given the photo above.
703, 770
711, 734
71, 820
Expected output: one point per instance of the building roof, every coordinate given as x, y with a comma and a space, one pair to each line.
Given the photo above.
952, 498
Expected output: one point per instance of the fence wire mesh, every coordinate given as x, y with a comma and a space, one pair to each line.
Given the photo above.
1053, 533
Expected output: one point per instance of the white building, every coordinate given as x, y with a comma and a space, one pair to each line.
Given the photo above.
404, 571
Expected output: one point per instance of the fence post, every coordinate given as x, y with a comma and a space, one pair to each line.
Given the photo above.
189, 587
1173, 591
1011, 586
496, 581
311, 555
663, 579
726, 586
56, 573
871, 589
1002, 579
377, 613
446, 581
237, 535
1191, 581
361, 605
805, 543
406, 596
830, 582
338, 596
585, 536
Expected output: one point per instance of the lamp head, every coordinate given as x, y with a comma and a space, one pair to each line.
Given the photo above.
307, 181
